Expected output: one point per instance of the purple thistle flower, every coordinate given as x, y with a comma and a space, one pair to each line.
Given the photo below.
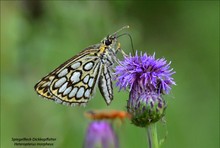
145, 71
100, 134
148, 79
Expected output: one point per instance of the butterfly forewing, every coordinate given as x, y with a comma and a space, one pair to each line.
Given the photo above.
74, 81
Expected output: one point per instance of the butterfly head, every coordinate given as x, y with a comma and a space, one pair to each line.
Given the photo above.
111, 40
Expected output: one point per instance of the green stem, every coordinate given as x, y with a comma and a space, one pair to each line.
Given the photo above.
152, 136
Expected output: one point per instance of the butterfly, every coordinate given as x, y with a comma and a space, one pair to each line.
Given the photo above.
74, 82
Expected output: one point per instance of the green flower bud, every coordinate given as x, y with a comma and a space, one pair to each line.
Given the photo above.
145, 108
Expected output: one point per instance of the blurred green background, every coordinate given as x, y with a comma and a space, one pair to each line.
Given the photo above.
36, 37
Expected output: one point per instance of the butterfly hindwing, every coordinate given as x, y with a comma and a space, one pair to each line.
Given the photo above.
105, 84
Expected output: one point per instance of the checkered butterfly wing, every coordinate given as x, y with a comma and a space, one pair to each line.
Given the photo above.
74, 82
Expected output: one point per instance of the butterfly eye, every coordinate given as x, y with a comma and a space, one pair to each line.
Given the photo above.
108, 42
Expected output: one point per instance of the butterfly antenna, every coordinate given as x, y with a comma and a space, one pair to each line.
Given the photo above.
125, 27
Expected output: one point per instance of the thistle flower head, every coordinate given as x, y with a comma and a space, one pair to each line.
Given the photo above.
148, 79
100, 134
145, 71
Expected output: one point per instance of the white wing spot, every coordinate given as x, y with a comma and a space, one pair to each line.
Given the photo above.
67, 90
80, 92
107, 76
73, 92
45, 83
87, 93
88, 66
91, 80
63, 87
63, 73
76, 65
86, 79
58, 100
66, 103
60, 82
75, 77
108, 79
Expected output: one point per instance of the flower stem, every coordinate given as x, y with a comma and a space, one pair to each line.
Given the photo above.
152, 136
